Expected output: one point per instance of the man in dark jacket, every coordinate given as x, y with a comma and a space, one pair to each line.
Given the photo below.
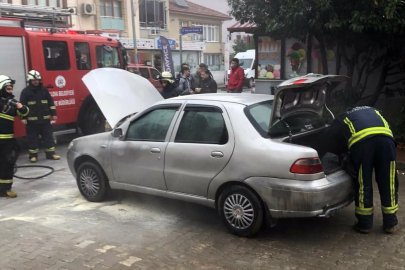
208, 84
9, 148
38, 121
170, 90
365, 132
197, 76
185, 80
236, 78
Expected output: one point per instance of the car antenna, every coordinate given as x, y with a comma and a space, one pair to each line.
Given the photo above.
290, 135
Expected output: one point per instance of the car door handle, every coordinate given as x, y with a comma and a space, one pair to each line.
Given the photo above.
49, 86
217, 154
155, 150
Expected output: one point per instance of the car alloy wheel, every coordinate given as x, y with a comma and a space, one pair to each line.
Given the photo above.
92, 181
239, 211
89, 182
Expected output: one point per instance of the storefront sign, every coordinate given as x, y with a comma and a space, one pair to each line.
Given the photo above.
191, 46
192, 30
141, 43
172, 43
111, 35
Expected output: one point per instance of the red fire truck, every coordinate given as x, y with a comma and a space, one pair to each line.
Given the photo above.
62, 60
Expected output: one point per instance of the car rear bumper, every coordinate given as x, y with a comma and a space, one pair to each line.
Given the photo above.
293, 198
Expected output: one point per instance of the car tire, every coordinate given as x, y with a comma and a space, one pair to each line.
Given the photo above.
93, 120
250, 83
241, 211
92, 181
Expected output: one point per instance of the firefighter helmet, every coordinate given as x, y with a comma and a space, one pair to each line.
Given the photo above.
167, 76
5, 80
33, 75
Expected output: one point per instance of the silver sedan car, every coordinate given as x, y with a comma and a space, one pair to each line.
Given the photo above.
252, 157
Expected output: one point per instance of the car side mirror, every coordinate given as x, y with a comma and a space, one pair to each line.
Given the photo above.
117, 133
157, 77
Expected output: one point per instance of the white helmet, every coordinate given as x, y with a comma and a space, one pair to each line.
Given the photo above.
5, 80
33, 75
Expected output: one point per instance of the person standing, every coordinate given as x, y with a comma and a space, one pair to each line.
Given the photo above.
365, 132
38, 122
208, 84
9, 148
185, 82
197, 76
236, 77
170, 89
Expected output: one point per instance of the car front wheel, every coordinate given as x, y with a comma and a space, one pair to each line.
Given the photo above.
91, 181
241, 211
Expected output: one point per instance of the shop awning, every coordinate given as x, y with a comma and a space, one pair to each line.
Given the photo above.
242, 27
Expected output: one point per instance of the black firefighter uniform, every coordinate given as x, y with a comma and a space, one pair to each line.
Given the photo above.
41, 108
7, 143
367, 135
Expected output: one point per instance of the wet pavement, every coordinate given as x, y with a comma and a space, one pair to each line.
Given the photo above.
51, 226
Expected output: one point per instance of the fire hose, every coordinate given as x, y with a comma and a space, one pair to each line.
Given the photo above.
33, 166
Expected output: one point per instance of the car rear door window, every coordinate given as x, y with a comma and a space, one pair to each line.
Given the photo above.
56, 55
144, 73
151, 127
202, 125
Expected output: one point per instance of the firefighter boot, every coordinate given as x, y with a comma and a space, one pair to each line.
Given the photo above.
33, 159
54, 157
11, 194
361, 230
390, 230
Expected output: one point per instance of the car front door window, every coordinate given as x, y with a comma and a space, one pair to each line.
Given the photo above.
152, 126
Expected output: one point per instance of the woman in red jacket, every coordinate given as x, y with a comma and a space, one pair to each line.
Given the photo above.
236, 77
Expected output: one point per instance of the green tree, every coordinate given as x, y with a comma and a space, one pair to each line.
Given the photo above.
240, 45
369, 35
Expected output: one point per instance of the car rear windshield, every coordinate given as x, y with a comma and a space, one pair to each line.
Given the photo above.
259, 115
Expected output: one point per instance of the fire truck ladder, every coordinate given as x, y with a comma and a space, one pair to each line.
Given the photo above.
37, 16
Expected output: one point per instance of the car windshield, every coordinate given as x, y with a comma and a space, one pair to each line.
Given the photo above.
259, 115
245, 63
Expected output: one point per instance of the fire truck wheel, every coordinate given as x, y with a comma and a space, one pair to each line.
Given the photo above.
93, 121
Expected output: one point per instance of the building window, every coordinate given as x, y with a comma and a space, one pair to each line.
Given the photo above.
109, 8
152, 14
181, 25
210, 32
45, 3
214, 61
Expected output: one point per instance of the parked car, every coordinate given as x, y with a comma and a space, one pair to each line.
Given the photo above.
149, 73
235, 153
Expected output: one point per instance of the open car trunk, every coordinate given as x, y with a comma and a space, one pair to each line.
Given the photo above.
330, 161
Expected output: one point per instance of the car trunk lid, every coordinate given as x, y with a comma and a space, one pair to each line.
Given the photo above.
303, 94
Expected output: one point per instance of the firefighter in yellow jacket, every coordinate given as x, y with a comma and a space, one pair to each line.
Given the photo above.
367, 135
9, 149
38, 122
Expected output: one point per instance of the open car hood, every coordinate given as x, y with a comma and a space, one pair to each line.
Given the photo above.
120, 93
306, 93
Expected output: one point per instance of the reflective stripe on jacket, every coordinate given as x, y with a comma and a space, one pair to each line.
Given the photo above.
40, 104
363, 122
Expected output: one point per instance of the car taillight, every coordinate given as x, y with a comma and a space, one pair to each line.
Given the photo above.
307, 166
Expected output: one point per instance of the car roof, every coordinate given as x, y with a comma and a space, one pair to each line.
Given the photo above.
244, 99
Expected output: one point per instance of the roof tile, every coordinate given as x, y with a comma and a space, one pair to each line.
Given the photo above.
197, 10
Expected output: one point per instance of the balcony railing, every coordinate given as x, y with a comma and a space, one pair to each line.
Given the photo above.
153, 25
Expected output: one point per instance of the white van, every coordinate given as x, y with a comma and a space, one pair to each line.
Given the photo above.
246, 61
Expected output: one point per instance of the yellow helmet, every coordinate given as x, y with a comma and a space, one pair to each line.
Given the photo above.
167, 76
33, 75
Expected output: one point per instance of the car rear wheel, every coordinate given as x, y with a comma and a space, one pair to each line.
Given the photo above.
241, 211
92, 181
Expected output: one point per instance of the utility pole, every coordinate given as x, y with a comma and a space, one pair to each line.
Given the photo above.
134, 32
